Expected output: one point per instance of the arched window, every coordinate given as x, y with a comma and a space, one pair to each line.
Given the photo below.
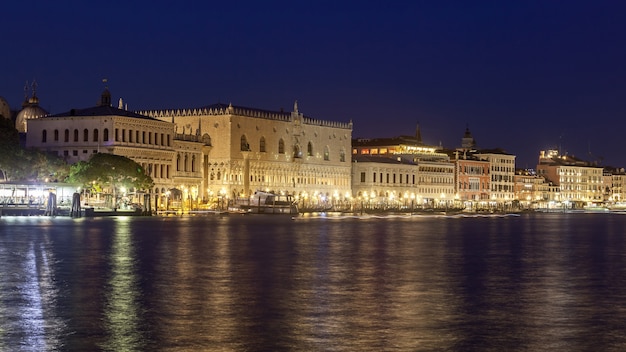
95, 135
67, 136
245, 147
296, 151
75, 135
56, 135
193, 163
44, 136
186, 162
178, 162
326, 153
262, 145
342, 155
85, 135
309, 149
106, 135
281, 146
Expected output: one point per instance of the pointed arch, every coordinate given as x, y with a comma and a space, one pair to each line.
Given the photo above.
281, 146
309, 149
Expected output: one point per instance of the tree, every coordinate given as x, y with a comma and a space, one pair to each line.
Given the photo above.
10, 160
109, 170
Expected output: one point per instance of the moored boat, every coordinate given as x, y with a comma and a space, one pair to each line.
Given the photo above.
266, 203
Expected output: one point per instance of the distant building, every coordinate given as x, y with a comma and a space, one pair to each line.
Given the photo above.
580, 182
30, 110
614, 183
254, 149
535, 192
5, 109
174, 161
502, 174
418, 170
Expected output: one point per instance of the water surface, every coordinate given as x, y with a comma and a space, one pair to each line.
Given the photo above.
269, 283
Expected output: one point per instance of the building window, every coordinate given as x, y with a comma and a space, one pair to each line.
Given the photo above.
75, 152
130, 136
281, 146
56, 135
106, 135
362, 177
309, 149
75, 135
262, 145
178, 162
85, 135
342, 155
374, 177
67, 136
95, 135
326, 153
296, 151
44, 136
193, 163
245, 147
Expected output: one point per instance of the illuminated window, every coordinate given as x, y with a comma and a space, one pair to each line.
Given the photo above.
296, 151
383, 150
374, 151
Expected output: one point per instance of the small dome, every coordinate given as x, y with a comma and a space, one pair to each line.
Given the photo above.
5, 109
30, 112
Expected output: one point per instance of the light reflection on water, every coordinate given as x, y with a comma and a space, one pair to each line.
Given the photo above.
533, 283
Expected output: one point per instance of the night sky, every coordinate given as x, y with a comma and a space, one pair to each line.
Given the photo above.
523, 75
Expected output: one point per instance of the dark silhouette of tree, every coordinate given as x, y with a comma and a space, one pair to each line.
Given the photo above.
19, 164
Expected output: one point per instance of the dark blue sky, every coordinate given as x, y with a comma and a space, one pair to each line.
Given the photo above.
523, 75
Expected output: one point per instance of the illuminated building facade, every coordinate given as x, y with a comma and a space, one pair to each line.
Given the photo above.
580, 183
173, 160
284, 152
535, 192
430, 173
502, 174
472, 180
615, 186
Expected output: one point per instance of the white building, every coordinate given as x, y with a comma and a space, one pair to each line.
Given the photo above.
502, 171
174, 161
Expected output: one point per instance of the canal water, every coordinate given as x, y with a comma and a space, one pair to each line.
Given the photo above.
537, 282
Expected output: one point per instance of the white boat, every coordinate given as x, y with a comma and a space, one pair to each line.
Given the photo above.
266, 203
